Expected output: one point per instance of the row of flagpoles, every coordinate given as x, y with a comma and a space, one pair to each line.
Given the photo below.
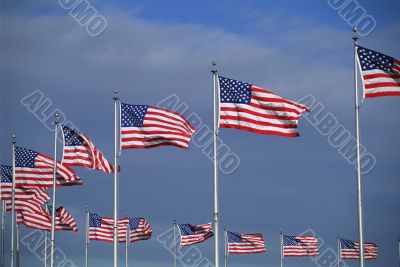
237, 105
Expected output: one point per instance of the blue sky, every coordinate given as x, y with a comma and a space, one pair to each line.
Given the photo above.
152, 49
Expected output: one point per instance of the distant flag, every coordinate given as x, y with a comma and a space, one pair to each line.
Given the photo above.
80, 151
245, 243
380, 73
251, 108
138, 229
35, 169
41, 219
350, 250
193, 234
299, 246
102, 228
144, 126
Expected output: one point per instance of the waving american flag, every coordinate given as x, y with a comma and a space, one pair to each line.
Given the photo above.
193, 234
137, 229
350, 250
245, 243
299, 246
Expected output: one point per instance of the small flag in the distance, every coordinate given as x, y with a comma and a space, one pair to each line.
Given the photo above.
193, 234
36, 169
380, 73
299, 246
102, 228
80, 151
245, 243
350, 250
144, 126
251, 108
137, 229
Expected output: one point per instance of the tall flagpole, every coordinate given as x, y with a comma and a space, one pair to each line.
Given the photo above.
53, 211
357, 117
87, 238
398, 241
3, 215
126, 241
225, 247
17, 245
281, 235
175, 243
216, 232
45, 248
116, 102
12, 202
338, 251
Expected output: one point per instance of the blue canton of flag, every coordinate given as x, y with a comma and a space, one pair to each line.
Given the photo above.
25, 157
6, 174
233, 91
133, 115
193, 234
72, 137
134, 223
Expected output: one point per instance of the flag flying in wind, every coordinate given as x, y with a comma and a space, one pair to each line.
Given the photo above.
298, 246
102, 228
245, 243
80, 151
35, 169
24, 196
350, 250
380, 73
137, 229
41, 219
251, 108
193, 234
144, 126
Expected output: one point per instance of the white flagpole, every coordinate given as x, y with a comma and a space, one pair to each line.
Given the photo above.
398, 241
281, 235
226, 247
357, 118
53, 212
216, 232
17, 245
175, 243
338, 251
45, 248
127, 241
87, 238
3, 215
116, 117
13, 221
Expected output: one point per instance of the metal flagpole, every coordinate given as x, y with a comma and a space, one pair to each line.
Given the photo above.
281, 234
87, 238
226, 248
17, 245
338, 251
53, 212
216, 233
13, 202
3, 215
116, 102
126, 241
357, 118
45, 248
398, 241
175, 243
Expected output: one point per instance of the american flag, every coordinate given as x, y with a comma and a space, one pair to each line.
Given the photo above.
24, 196
300, 246
144, 126
245, 243
350, 250
193, 234
137, 229
251, 108
35, 169
80, 151
102, 228
41, 219
380, 73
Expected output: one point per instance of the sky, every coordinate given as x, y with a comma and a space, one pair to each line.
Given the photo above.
153, 50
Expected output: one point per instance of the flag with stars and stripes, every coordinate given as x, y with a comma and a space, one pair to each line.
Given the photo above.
36, 169
41, 219
80, 151
24, 196
245, 243
136, 229
299, 246
380, 73
350, 250
144, 126
193, 234
251, 108
102, 228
